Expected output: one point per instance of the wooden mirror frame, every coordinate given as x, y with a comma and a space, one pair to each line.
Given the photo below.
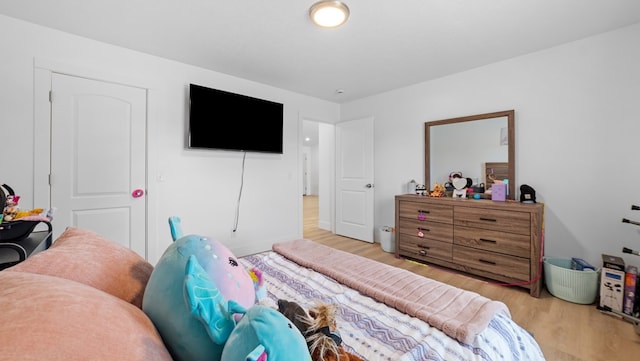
510, 114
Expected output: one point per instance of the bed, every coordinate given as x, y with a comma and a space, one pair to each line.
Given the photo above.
390, 314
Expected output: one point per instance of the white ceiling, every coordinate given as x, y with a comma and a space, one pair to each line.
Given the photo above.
384, 45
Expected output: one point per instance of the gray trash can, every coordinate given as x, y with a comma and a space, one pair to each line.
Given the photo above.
385, 234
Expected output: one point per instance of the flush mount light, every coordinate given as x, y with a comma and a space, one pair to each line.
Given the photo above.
329, 14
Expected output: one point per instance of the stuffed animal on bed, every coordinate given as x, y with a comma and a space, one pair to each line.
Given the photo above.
320, 330
185, 326
296, 314
264, 334
261, 334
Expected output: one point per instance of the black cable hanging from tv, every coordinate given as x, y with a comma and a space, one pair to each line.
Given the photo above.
237, 217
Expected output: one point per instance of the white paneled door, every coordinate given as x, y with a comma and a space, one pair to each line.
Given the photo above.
354, 179
98, 158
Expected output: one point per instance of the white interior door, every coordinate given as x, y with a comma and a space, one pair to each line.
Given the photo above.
98, 158
354, 179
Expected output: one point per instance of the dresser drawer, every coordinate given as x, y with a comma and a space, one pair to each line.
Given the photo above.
498, 220
427, 230
421, 248
493, 241
426, 212
509, 266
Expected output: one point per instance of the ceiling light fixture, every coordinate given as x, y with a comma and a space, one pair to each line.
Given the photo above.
329, 14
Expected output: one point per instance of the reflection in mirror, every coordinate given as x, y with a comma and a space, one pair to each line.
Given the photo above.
481, 147
479, 143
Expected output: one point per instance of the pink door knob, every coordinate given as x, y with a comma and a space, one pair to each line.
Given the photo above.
137, 193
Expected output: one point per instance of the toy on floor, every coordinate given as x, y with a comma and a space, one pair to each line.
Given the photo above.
320, 329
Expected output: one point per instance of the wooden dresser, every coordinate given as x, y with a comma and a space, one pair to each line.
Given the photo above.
501, 241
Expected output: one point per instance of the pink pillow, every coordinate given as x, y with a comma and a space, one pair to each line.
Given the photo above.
84, 256
50, 318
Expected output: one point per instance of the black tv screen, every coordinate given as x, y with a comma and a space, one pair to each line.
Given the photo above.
228, 121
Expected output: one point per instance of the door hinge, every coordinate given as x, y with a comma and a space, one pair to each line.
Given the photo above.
50, 96
49, 179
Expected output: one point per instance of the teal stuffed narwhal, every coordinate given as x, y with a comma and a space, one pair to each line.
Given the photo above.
265, 334
205, 270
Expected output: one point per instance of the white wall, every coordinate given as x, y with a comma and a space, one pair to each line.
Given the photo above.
577, 130
199, 186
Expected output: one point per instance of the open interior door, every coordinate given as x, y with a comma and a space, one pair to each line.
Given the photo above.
354, 179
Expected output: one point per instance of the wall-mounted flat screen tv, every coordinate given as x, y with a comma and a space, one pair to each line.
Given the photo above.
228, 121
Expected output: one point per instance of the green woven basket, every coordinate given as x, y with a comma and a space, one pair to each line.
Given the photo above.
570, 285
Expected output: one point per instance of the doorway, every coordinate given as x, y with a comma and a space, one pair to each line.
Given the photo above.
310, 173
318, 144
318, 163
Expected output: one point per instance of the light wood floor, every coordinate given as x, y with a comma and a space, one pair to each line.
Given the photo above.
564, 330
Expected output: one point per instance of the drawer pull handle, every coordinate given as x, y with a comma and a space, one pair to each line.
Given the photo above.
488, 240
421, 231
421, 214
488, 219
422, 252
487, 262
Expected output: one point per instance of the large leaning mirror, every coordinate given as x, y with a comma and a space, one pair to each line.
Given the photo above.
480, 147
